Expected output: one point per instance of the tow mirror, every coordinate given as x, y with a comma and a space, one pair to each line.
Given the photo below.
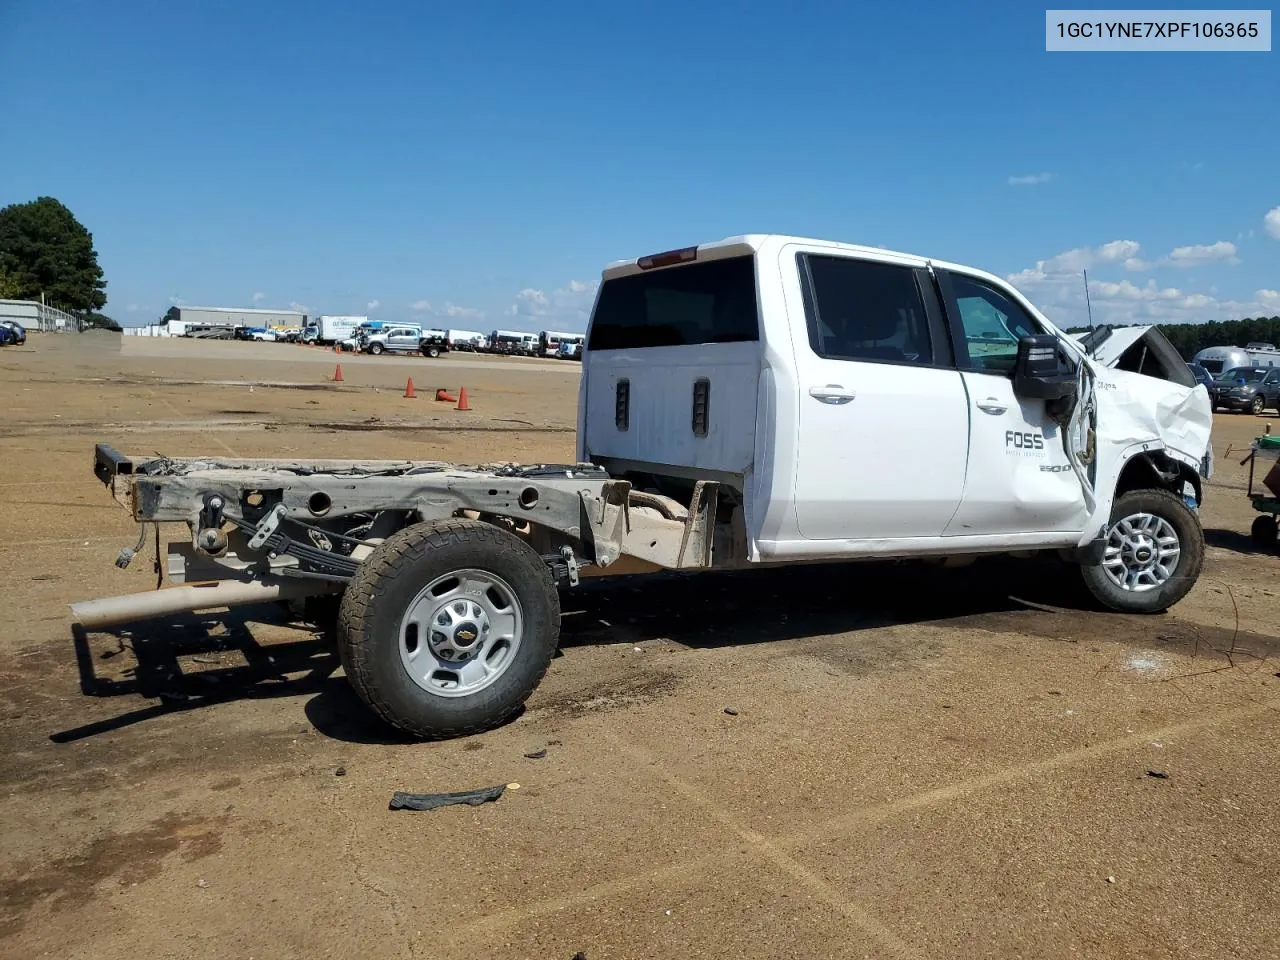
1039, 371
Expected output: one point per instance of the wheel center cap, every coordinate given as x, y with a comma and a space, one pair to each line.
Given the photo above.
465, 634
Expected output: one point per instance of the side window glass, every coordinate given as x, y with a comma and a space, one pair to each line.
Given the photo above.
991, 324
862, 310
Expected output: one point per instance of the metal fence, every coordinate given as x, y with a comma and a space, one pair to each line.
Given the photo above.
40, 316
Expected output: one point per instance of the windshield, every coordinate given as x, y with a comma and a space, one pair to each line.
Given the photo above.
1247, 374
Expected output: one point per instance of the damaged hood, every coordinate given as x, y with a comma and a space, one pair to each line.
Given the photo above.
1146, 395
1107, 344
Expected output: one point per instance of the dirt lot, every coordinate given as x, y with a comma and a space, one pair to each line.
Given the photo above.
945, 764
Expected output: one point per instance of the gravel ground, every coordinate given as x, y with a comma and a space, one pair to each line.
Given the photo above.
956, 764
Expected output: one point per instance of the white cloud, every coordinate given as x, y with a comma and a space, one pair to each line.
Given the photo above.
1125, 290
372, 305
451, 310
1030, 179
1071, 262
455, 311
297, 307
1056, 286
1271, 222
132, 308
259, 297
532, 302
1196, 254
568, 306
177, 301
1268, 298
1119, 250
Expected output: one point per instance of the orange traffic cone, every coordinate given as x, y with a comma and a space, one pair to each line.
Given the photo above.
337, 374
442, 395
408, 389
462, 399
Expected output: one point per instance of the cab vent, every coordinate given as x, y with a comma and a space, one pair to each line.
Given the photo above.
701, 406
622, 405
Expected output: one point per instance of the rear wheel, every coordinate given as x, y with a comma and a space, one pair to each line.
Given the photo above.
432, 352
1153, 555
448, 627
1264, 531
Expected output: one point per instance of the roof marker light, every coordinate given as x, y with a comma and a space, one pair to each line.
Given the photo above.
667, 259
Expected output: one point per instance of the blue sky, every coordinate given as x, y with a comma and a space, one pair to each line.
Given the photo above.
480, 163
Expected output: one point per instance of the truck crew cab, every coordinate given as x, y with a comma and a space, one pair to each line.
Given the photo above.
752, 402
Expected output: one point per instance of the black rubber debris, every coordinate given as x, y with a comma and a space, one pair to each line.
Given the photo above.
730, 711
535, 755
429, 801
1159, 775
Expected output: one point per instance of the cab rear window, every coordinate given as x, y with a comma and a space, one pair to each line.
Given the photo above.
709, 302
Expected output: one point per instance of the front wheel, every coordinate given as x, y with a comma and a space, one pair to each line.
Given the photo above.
375, 348
1153, 555
1258, 405
448, 627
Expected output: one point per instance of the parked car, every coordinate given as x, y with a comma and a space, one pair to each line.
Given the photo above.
6, 336
1251, 389
17, 332
263, 334
1203, 376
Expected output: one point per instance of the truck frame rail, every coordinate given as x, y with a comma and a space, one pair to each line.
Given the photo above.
264, 522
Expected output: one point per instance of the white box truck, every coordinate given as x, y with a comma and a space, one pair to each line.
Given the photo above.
328, 330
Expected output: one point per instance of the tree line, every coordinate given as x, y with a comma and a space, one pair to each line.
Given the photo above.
1191, 338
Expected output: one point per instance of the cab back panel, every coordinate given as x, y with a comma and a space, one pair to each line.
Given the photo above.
653, 420
672, 365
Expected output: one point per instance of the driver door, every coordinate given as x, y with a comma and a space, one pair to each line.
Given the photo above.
1019, 479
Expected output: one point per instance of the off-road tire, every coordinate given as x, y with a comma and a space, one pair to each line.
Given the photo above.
379, 595
431, 352
1264, 532
1186, 525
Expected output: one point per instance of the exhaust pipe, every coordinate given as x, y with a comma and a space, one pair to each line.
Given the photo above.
113, 611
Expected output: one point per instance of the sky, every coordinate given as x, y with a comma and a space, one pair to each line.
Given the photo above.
477, 165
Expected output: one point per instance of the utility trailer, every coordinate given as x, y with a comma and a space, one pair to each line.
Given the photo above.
752, 402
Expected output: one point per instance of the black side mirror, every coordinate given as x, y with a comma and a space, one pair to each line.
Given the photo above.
1039, 371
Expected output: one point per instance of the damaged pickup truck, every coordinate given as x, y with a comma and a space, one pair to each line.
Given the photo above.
758, 401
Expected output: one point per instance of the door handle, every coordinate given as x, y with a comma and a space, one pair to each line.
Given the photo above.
832, 393
991, 405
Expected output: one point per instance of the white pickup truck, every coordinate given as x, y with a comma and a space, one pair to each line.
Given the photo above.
757, 401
